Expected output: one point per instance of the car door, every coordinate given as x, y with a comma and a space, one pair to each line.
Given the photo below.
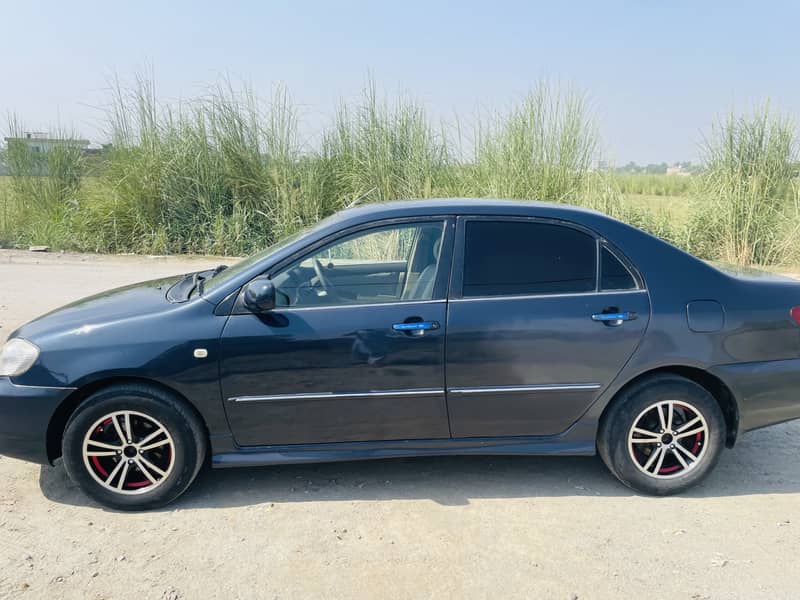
354, 350
542, 316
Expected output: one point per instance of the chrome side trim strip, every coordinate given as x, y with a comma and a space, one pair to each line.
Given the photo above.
555, 387
510, 389
40, 387
532, 296
333, 396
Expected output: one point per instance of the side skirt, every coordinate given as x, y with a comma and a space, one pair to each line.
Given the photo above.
253, 456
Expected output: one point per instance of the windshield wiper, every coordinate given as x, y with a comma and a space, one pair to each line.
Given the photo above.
183, 289
199, 277
196, 281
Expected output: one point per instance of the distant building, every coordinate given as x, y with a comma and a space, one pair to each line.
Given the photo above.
678, 170
41, 142
601, 166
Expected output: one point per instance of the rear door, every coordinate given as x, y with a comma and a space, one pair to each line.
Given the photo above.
543, 315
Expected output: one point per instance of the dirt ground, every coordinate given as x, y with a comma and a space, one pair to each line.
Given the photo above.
475, 527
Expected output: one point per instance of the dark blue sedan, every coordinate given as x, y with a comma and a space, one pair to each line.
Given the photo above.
409, 329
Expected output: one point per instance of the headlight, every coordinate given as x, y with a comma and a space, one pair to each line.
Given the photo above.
16, 357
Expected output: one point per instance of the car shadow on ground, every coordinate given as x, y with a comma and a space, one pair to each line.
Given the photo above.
763, 462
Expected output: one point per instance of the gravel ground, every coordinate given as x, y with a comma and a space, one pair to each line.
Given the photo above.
470, 527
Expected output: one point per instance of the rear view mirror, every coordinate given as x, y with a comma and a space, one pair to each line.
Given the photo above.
259, 295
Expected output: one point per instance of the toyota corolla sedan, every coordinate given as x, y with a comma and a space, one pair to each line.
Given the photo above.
409, 329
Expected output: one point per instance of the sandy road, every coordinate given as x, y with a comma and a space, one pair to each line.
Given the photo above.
414, 528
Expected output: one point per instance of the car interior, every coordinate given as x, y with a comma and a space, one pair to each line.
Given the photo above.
381, 265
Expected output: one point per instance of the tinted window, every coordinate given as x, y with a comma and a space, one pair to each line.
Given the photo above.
515, 257
614, 275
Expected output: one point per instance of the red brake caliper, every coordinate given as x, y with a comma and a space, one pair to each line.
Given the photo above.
95, 459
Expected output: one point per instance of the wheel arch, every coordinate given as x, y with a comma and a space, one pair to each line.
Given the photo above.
58, 422
711, 383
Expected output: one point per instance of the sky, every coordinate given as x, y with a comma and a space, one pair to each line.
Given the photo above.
657, 74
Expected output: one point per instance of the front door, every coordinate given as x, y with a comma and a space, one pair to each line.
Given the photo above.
354, 351
544, 317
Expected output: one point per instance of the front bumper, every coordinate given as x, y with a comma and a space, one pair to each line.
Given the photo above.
25, 413
767, 392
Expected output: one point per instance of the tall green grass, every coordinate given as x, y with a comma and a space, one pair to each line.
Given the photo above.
227, 173
543, 148
44, 188
749, 212
375, 151
220, 173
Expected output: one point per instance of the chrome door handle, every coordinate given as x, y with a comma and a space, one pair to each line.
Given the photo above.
614, 318
416, 326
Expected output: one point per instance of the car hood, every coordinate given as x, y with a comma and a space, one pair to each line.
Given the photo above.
127, 302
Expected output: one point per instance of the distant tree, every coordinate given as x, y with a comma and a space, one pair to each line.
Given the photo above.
656, 169
631, 167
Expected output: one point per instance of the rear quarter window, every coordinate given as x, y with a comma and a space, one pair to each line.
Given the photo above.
613, 274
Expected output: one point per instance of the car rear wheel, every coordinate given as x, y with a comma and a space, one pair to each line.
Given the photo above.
662, 436
133, 447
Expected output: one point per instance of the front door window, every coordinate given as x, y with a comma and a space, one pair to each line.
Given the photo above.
382, 265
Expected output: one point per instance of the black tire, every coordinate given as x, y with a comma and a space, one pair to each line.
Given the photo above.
627, 410
186, 452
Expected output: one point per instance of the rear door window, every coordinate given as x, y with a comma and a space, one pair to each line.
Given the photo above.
510, 258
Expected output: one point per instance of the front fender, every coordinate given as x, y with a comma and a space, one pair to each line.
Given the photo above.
158, 347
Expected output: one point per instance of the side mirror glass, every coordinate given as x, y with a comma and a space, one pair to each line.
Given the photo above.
259, 295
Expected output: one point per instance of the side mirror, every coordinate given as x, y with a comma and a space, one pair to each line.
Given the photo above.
259, 295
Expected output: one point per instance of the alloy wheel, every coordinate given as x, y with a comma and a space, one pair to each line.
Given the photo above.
128, 452
668, 439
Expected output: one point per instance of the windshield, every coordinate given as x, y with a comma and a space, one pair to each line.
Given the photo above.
223, 276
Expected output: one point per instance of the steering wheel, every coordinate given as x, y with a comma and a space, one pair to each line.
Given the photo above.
323, 280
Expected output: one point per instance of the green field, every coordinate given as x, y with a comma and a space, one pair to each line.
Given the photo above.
675, 208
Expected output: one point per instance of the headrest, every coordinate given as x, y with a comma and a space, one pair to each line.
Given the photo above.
436, 246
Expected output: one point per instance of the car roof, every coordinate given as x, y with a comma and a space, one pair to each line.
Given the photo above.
454, 206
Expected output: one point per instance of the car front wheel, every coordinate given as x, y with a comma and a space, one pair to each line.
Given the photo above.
133, 447
662, 436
